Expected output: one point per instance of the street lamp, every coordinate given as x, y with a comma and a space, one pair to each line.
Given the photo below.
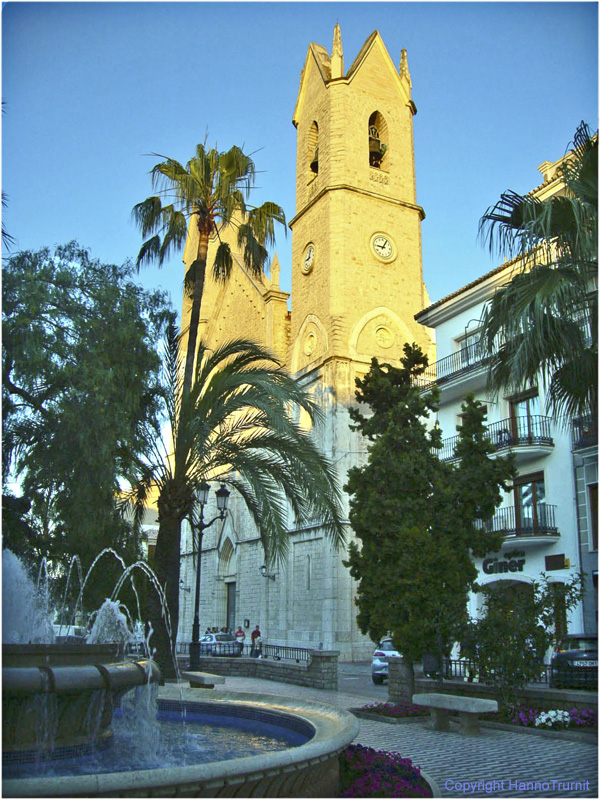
199, 527
265, 574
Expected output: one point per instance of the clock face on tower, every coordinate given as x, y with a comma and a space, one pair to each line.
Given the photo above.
308, 259
382, 246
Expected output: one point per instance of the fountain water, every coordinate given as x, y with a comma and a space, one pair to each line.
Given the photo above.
264, 744
58, 696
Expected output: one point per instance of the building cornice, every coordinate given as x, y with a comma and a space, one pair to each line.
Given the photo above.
348, 188
473, 293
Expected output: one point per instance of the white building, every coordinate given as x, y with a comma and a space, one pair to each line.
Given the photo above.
549, 517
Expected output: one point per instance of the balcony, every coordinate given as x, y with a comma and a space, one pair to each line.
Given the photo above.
584, 432
465, 364
528, 437
531, 525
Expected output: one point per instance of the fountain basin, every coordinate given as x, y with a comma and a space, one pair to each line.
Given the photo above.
63, 696
308, 770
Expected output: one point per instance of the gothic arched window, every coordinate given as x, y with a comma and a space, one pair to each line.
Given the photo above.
313, 148
378, 135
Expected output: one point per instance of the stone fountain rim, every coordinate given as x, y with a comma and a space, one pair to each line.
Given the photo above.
334, 730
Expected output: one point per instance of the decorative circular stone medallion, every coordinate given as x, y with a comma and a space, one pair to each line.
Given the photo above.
383, 336
310, 343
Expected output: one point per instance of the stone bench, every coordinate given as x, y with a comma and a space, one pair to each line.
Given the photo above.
202, 680
468, 709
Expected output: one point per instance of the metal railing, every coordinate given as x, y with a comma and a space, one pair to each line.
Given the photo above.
277, 652
512, 432
516, 521
558, 676
280, 652
584, 432
465, 360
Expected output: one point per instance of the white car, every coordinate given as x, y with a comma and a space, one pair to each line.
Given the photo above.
220, 644
379, 665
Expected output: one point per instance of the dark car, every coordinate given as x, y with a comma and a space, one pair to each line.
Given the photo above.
575, 663
220, 644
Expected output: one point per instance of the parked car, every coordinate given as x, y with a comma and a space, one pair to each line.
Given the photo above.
575, 662
220, 644
379, 665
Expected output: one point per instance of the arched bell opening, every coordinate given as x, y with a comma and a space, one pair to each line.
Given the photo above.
378, 135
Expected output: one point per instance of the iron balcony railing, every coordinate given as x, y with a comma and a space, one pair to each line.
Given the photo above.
516, 521
585, 432
512, 432
464, 361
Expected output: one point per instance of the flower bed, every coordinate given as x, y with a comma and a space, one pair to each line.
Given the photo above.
522, 716
366, 772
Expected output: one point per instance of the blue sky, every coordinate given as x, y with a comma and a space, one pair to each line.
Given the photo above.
90, 88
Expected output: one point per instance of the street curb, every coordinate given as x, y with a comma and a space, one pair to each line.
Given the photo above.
582, 737
435, 789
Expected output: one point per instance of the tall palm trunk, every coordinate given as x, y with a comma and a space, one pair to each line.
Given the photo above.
194, 323
175, 501
173, 505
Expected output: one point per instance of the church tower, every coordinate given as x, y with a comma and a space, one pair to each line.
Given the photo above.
356, 256
356, 285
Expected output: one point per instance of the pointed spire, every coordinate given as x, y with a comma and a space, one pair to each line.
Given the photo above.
275, 270
404, 73
337, 54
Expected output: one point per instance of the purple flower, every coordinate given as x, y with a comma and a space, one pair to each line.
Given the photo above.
366, 772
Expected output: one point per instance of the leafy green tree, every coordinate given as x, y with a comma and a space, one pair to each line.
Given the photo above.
515, 631
238, 425
545, 319
418, 519
210, 195
79, 376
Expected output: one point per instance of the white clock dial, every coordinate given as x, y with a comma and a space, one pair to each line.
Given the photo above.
382, 246
309, 257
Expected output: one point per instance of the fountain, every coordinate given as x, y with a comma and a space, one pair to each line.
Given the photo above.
56, 696
61, 722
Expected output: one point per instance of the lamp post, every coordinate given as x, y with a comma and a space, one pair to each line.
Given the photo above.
200, 526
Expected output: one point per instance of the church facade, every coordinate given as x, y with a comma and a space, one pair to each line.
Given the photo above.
357, 284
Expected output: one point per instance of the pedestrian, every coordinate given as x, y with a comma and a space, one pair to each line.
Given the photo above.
255, 649
240, 635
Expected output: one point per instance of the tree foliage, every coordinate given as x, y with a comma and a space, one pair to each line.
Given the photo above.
543, 324
418, 519
79, 367
193, 204
209, 194
515, 631
238, 425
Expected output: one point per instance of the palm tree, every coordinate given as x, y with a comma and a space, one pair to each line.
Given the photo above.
544, 320
209, 195
238, 426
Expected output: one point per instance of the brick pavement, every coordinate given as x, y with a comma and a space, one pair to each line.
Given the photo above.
494, 764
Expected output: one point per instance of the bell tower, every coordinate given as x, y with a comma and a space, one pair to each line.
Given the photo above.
357, 277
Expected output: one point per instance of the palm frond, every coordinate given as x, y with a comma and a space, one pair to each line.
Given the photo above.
262, 221
223, 263
255, 254
237, 425
147, 215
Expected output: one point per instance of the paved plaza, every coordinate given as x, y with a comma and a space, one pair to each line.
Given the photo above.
497, 763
